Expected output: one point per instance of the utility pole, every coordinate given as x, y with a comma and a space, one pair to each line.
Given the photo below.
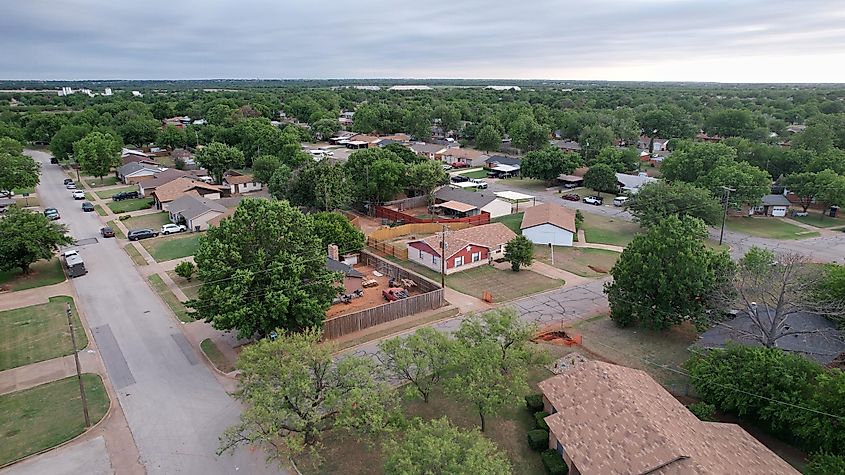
443, 265
725, 214
78, 369
552, 251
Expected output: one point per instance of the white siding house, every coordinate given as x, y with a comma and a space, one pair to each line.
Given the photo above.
549, 233
549, 223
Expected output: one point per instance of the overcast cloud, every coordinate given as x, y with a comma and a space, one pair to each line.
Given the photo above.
665, 40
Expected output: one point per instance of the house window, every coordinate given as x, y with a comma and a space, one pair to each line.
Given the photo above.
435, 260
476, 256
420, 253
459, 261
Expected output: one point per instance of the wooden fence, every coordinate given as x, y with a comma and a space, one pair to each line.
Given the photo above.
408, 203
387, 249
431, 298
378, 240
393, 215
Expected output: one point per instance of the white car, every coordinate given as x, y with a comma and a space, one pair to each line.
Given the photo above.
620, 200
479, 183
70, 252
173, 228
78, 195
71, 186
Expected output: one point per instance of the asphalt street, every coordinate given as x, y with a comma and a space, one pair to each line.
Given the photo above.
175, 408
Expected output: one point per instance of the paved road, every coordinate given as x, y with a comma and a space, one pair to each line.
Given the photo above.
88, 457
175, 407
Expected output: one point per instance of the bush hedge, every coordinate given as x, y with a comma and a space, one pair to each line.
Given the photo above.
538, 439
554, 463
825, 464
703, 411
538, 419
534, 403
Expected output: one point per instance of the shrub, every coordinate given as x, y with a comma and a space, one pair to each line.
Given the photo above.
825, 464
554, 463
538, 439
179, 163
538, 418
534, 402
124, 217
185, 269
703, 411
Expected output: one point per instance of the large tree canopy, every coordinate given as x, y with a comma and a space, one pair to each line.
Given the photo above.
26, 237
217, 158
547, 164
97, 153
335, 228
655, 201
16, 169
377, 174
263, 268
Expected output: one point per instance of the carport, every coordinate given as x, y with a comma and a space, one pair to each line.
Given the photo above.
514, 197
456, 208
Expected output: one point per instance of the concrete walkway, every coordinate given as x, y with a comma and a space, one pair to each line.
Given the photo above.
31, 375
553, 272
36, 296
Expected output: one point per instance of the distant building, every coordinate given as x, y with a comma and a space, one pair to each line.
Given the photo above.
504, 88
410, 87
107, 92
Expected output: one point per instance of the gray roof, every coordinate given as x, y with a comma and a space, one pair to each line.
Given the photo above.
775, 200
479, 199
633, 181
161, 178
570, 145
189, 206
343, 268
503, 160
823, 346
426, 147
133, 167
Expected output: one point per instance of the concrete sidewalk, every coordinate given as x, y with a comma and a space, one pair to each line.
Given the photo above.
31, 375
36, 296
553, 272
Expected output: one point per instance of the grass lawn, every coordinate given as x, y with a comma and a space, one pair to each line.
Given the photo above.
41, 273
215, 356
27, 202
343, 453
606, 230
816, 219
513, 221
475, 174
771, 228
89, 196
191, 288
117, 231
585, 262
20, 191
167, 248
94, 182
100, 210
45, 416
38, 333
630, 346
152, 221
126, 206
106, 194
181, 311
136, 256
525, 183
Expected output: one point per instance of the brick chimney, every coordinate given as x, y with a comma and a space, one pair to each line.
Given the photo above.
333, 252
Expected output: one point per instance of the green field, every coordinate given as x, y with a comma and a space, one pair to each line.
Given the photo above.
217, 358
42, 417
189, 287
525, 183
818, 220
94, 182
581, 261
605, 230
513, 221
41, 273
136, 256
168, 248
117, 231
475, 174
181, 311
152, 221
100, 210
38, 333
126, 206
771, 228
106, 194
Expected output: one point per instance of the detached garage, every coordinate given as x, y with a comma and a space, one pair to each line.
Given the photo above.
549, 223
773, 205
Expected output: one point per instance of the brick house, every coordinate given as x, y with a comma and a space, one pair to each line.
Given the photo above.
465, 249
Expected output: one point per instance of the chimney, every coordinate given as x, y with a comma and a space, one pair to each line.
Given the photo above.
333, 252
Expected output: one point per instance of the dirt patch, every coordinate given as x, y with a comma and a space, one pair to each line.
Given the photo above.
558, 337
372, 295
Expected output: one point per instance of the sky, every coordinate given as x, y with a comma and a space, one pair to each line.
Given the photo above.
616, 40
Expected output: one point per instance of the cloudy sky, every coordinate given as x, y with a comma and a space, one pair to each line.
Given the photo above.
661, 40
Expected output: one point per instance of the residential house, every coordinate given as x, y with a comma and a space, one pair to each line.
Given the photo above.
467, 157
136, 172
194, 211
175, 189
570, 181
481, 200
607, 419
772, 205
823, 341
494, 160
796, 128
705, 137
632, 183
126, 152
660, 145
352, 279
548, 223
241, 184
427, 150
569, 146
178, 122
465, 249
146, 187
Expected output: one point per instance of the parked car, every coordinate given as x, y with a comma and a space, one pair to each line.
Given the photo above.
447, 167
6, 194
570, 185
206, 179
593, 200
172, 228
479, 183
620, 200
52, 214
71, 186
67, 181
107, 232
87, 206
125, 195
395, 293
458, 179
78, 195
571, 197
138, 234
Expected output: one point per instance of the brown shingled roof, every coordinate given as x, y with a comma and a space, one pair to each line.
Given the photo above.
614, 419
550, 213
239, 179
488, 235
176, 188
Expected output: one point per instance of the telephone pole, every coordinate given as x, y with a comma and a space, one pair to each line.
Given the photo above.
78, 369
725, 214
443, 265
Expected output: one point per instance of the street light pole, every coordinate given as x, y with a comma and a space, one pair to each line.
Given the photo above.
78, 368
443, 266
728, 191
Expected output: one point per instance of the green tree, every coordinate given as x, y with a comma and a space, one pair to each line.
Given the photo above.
450, 117
730, 123
655, 201
418, 123
549, 163
261, 269
97, 153
527, 134
40, 128
503, 327
17, 170
264, 166
488, 139
325, 128
139, 130
693, 160
294, 392
620, 159
335, 228
405, 154
378, 174
825, 463
425, 177
172, 137
436, 446
667, 276
61, 146
332, 187
601, 178
278, 186
817, 137
185, 270
807, 186
420, 359
519, 251
593, 139
217, 158
26, 237
749, 183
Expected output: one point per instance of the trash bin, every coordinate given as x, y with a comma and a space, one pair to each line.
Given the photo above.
833, 211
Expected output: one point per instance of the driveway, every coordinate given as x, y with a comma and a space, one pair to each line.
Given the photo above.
176, 409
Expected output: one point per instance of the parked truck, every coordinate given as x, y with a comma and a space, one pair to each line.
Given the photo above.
74, 264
